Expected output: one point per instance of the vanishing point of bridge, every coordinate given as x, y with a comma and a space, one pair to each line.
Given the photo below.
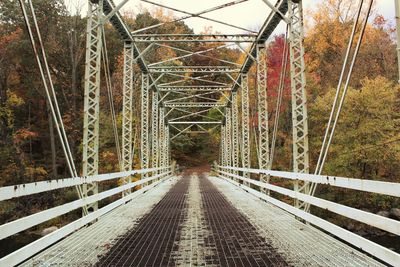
230, 215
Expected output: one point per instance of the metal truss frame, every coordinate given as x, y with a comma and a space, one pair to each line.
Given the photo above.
235, 131
194, 105
90, 157
154, 130
144, 130
192, 97
188, 127
127, 111
228, 136
246, 160
299, 99
197, 69
189, 114
262, 100
203, 38
189, 54
177, 49
193, 88
194, 122
197, 15
223, 146
163, 150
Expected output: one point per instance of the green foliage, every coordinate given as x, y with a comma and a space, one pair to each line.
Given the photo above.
366, 142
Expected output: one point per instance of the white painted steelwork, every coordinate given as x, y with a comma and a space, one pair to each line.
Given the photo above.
144, 134
31, 249
262, 110
127, 112
27, 222
372, 186
362, 243
90, 157
15, 191
299, 97
246, 160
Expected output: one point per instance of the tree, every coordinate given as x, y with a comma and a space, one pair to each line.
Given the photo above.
327, 40
366, 142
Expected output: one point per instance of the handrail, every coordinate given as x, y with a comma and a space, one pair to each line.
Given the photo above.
27, 222
371, 186
374, 220
14, 191
27, 251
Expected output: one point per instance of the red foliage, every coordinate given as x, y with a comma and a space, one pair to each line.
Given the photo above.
275, 62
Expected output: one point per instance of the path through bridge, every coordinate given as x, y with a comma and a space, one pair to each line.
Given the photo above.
236, 214
198, 220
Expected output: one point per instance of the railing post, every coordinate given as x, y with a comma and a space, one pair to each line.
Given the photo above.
235, 132
263, 159
127, 112
154, 131
299, 99
245, 125
90, 157
144, 130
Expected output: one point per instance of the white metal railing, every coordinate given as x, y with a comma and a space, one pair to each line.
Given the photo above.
13, 191
24, 223
383, 223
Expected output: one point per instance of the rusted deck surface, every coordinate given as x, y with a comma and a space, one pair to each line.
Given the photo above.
151, 242
236, 240
227, 239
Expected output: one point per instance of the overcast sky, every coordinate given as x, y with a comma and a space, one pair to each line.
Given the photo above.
250, 14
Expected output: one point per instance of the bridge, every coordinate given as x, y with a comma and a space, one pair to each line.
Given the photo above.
233, 214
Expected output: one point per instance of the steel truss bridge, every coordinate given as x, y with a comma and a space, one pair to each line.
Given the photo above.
229, 217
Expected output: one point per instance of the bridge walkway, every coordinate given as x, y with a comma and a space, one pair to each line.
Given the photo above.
200, 221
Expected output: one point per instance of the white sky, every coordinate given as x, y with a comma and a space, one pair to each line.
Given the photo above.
250, 14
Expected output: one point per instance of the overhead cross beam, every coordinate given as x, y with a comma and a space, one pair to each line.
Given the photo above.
194, 105
193, 88
194, 38
197, 69
197, 15
193, 122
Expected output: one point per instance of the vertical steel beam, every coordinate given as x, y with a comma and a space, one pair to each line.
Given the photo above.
223, 146
228, 136
90, 157
168, 147
162, 157
127, 112
245, 125
154, 131
397, 8
299, 100
144, 131
235, 132
263, 157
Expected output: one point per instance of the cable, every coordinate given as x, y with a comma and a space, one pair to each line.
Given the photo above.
109, 86
347, 84
339, 86
51, 96
338, 112
279, 99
